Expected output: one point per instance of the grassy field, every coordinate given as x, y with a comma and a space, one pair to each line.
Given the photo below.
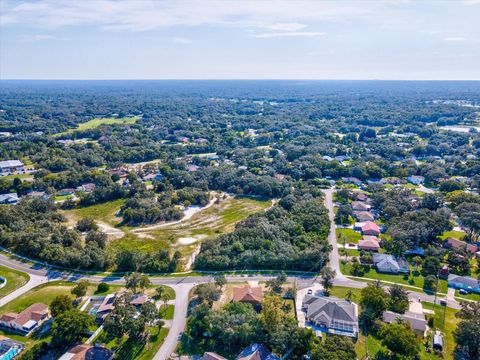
15, 280
415, 278
217, 219
167, 313
350, 236
453, 234
104, 212
100, 121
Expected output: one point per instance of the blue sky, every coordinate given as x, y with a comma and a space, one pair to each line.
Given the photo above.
143, 39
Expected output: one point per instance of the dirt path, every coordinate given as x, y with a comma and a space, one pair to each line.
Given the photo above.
110, 230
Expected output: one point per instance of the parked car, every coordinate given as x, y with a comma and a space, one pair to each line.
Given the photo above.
310, 292
463, 292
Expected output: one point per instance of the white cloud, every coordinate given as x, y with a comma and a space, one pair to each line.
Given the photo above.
36, 37
455, 38
290, 34
180, 40
144, 15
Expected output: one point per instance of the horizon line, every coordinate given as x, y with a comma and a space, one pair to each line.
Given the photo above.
226, 79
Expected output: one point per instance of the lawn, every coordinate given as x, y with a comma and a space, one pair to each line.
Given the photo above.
104, 212
167, 313
15, 280
100, 121
350, 236
414, 279
20, 176
453, 234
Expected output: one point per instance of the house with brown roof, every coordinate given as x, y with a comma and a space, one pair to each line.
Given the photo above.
370, 228
212, 356
28, 320
363, 216
369, 243
248, 294
360, 206
87, 352
451, 243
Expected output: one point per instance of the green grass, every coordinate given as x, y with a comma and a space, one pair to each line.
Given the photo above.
100, 121
104, 212
63, 197
453, 234
20, 176
167, 313
218, 219
15, 280
350, 235
414, 279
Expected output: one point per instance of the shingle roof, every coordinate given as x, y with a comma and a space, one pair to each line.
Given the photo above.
330, 309
256, 352
248, 293
370, 226
416, 321
465, 280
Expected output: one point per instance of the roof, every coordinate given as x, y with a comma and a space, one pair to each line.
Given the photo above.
358, 205
371, 242
363, 216
388, 262
10, 163
330, 309
8, 198
370, 226
458, 244
416, 321
248, 294
256, 352
464, 280
33, 312
87, 352
139, 299
212, 356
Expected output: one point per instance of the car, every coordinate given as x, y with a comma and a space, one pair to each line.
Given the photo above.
310, 292
443, 302
463, 292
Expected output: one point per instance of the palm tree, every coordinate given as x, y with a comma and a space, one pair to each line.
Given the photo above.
350, 295
165, 298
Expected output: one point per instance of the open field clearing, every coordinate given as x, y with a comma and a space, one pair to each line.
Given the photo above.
15, 280
100, 121
185, 236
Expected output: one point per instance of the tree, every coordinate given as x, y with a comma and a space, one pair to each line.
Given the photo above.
207, 293
335, 348
123, 319
148, 311
327, 274
165, 298
272, 315
159, 291
97, 237
275, 284
430, 283
87, 224
467, 333
458, 261
70, 326
374, 300
343, 214
136, 281
220, 280
400, 340
431, 265
102, 287
80, 289
417, 261
469, 218
398, 299
60, 304
350, 295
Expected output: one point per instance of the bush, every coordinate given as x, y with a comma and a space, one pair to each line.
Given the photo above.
103, 287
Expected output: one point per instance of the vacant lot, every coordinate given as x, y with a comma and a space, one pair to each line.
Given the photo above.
100, 121
105, 212
15, 280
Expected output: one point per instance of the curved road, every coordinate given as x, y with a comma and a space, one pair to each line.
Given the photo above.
40, 274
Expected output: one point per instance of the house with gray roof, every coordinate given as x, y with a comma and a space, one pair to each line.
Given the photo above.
331, 315
11, 198
389, 264
464, 282
417, 321
11, 167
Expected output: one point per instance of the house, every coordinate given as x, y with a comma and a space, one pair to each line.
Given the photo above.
88, 187
28, 320
464, 282
416, 180
201, 141
256, 352
139, 299
417, 321
360, 196
9, 348
153, 177
66, 192
437, 341
11, 198
332, 315
8, 167
38, 194
451, 243
87, 352
444, 272
389, 264
370, 228
192, 168
352, 180
183, 139
105, 307
363, 216
248, 294
360, 206
369, 243
212, 356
